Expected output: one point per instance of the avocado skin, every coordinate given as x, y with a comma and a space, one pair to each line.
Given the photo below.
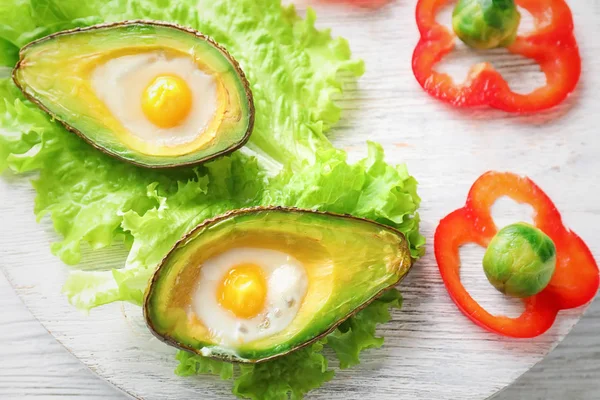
403, 267
142, 23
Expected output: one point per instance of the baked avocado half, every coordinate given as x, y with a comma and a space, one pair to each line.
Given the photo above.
255, 284
150, 93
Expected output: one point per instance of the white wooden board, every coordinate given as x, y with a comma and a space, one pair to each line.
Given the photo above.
432, 351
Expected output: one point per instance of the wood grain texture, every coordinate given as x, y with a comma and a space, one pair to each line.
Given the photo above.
33, 364
432, 351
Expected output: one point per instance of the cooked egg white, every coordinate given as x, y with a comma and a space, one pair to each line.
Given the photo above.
160, 99
246, 294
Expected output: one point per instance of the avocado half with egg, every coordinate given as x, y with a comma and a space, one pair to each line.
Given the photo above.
255, 284
150, 93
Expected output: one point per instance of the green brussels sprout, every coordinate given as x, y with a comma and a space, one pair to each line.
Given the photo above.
485, 24
520, 260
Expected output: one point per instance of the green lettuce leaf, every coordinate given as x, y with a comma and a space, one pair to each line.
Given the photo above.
295, 375
291, 376
190, 365
9, 53
358, 333
295, 72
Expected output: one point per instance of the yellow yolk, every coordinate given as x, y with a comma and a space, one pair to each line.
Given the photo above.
167, 101
243, 291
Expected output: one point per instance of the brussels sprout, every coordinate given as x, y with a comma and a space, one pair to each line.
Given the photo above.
520, 260
485, 24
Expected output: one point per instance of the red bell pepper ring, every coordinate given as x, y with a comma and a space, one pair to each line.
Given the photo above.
576, 278
552, 45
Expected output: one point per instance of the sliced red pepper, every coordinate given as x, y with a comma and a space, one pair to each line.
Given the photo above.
576, 278
552, 45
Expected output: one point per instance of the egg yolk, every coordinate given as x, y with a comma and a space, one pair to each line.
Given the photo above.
243, 291
167, 101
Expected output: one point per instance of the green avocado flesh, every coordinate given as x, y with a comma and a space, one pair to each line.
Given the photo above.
60, 73
348, 263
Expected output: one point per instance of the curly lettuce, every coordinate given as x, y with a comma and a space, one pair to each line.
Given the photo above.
295, 73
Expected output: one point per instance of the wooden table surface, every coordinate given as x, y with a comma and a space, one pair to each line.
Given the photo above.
34, 365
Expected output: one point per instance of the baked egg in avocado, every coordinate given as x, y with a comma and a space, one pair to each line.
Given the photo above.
150, 93
256, 284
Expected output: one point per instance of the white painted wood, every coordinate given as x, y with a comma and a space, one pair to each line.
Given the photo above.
34, 365
432, 351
